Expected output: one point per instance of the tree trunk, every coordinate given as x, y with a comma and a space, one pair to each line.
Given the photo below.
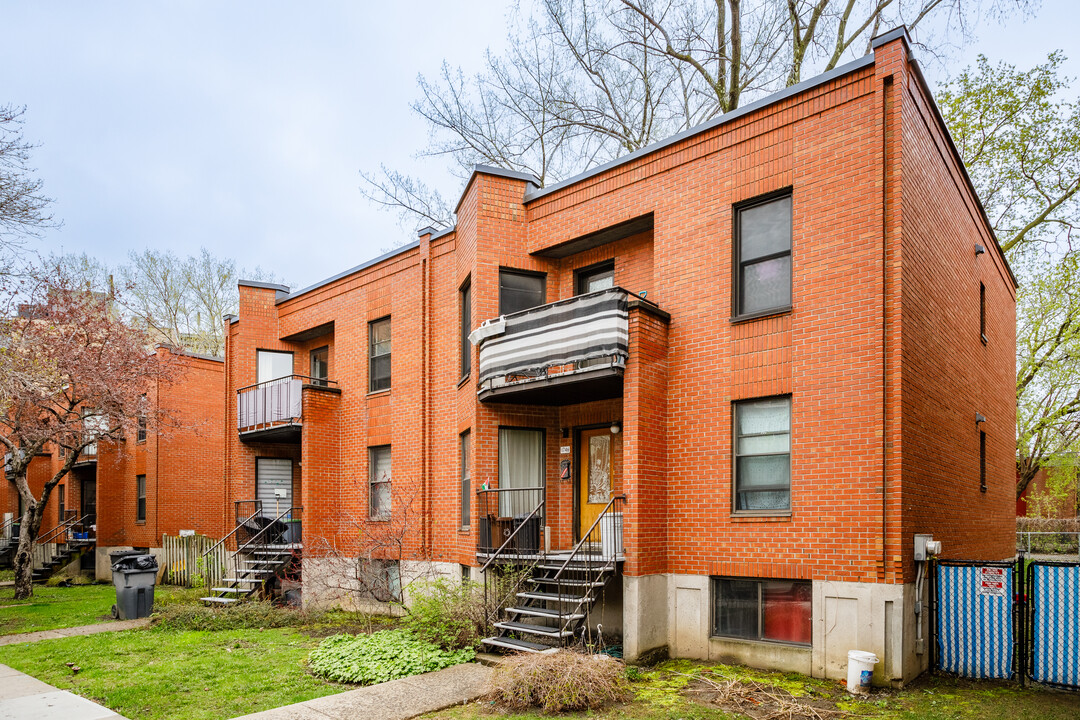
29, 526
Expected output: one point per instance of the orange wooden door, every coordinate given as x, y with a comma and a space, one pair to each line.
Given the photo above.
597, 462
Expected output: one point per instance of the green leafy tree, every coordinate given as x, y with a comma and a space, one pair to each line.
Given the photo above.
1019, 135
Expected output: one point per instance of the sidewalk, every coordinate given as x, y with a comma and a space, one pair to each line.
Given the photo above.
115, 626
22, 696
396, 700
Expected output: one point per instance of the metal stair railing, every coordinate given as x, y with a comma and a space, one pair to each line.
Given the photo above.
494, 600
258, 540
53, 533
591, 565
206, 556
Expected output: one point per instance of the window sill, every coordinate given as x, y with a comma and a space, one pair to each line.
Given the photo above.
761, 517
140, 522
376, 393
767, 643
760, 315
984, 340
465, 529
464, 380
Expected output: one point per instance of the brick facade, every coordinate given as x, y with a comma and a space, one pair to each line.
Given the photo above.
880, 354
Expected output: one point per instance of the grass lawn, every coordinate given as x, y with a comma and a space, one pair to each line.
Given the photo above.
59, 607
188, 674
681, 690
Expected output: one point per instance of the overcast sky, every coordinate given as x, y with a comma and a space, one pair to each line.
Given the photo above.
242, 126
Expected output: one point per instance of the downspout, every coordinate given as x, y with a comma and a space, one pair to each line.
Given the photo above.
885, 129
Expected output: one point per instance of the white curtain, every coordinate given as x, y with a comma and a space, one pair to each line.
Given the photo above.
521, 465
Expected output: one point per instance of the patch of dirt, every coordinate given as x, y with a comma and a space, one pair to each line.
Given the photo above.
759, 701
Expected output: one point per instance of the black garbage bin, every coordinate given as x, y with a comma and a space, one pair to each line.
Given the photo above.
527, 539
134, 576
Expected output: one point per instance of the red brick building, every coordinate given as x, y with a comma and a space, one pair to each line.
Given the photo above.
810, 360
165, 479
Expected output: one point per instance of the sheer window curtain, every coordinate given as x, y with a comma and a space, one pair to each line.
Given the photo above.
521, 465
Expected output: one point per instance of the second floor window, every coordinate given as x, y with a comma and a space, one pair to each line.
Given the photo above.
320, 365
763, 256
596, 278
465, 301
379, 355
520, 290
272, 365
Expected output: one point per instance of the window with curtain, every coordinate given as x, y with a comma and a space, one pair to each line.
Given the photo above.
379, 355
379, 485
774, 610
521, 465
763, 455
466, 481
272, 365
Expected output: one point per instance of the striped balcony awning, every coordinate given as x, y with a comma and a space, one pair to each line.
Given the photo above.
559, 338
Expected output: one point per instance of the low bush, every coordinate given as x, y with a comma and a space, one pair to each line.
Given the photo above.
558, 682
447, 613
380, 657
246, 615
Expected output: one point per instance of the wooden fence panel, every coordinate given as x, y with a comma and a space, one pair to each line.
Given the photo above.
185, 564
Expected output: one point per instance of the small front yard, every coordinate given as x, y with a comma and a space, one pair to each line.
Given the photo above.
61, 607
681, 690
187, 674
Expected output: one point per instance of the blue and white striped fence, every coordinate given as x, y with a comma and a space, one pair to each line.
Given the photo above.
975, 629
1055, 623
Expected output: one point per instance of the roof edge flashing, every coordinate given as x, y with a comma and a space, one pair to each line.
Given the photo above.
263, 285
353, 270
888, 36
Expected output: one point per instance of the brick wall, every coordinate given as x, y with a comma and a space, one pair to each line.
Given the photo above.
883, 237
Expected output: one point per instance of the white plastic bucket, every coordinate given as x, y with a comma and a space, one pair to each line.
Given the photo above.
860, 668
611, 543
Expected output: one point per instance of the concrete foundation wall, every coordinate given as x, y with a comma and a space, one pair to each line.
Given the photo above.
676, 611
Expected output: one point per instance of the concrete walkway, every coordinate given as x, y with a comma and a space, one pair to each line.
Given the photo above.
114, 626
22, 697
396, 700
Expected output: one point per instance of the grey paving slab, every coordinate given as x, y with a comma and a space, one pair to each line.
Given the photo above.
397, 700
24, 698
56, 705
113, 626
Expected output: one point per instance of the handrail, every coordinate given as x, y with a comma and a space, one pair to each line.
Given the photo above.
60, 529
239, 525
268, 526
522, 524
585, 536
314, 381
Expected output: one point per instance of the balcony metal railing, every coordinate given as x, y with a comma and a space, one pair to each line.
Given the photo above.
274, 402
511, 521
567, 337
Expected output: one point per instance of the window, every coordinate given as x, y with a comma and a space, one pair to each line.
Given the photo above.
763, 256
379, 355
521, 465
982, 312
61, 506
379, 483
519, 290
982, 461
763, 455
465, 302
140, 498
272, 365
776, 610
140, 432
596, 278
320, 365
466, 481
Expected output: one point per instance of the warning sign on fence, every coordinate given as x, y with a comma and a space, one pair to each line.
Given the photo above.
991, 581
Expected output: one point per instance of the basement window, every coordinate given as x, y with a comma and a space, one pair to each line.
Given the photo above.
768, 610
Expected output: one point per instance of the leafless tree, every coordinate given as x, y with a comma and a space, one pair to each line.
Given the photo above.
587, 81
24, 208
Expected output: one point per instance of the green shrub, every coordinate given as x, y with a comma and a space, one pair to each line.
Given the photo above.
447, 613
560, 681
379, 657
246, 615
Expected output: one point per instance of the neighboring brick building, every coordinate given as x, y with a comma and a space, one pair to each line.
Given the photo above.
813, 361
165, 479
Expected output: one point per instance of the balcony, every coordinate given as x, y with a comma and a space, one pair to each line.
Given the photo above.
271, 411
564, 352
